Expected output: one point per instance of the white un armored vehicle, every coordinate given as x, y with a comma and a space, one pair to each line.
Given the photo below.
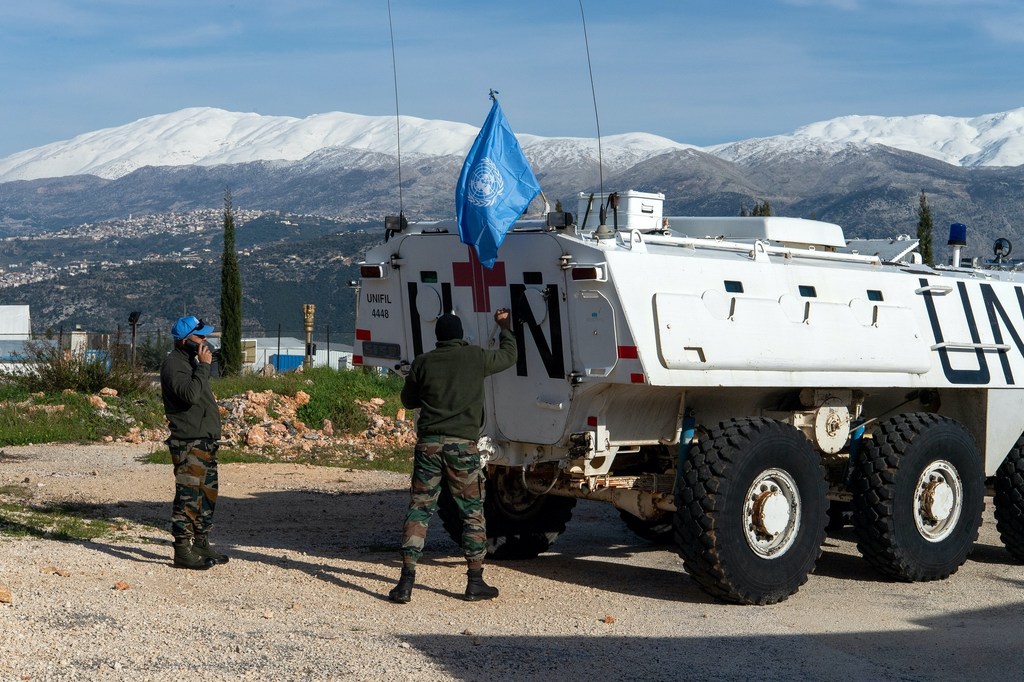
728, 384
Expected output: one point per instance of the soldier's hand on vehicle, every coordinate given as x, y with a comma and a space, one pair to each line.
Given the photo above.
502, 317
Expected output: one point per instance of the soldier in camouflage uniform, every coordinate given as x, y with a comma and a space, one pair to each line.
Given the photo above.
447, 385
194, 422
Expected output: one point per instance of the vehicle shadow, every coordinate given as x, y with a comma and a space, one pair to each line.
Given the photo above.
986, 645
308, 529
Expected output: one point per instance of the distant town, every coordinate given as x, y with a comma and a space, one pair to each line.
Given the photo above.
13, 274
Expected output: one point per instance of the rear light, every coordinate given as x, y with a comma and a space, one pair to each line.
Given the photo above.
625, 352
376, 271
636, 378
363, 335
592, 421
357, 359
582, 273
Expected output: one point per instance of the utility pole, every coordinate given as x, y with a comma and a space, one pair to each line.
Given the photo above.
308, 309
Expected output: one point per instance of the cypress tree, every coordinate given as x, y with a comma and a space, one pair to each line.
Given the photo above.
924, 230
230, 297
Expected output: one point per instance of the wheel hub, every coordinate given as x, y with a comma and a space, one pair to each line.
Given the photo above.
938, 501
771, 513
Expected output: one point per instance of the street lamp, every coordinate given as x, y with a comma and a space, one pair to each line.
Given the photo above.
133, 320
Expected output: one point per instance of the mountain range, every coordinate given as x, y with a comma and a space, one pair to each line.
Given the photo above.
865, 173
213, 137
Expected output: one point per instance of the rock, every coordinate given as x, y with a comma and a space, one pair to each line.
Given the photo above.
256, 437
121, 586
108, 392
53, 570
5, 595
301, 398
97, 402
328, 429
267, 370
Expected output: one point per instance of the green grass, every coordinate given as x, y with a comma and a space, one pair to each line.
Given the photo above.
59, 522
332, 396
332, 393
43, 420
388, 459
224, 456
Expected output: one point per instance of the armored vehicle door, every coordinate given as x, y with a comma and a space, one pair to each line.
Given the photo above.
531, 400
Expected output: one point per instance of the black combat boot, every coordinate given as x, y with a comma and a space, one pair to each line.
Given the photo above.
203, 547
402, 592
476, 588
186, 556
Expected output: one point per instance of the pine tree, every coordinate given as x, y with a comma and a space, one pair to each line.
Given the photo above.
924, 231
230, 297
761, 208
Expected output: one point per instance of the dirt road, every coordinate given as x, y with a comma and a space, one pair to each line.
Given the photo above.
313, 555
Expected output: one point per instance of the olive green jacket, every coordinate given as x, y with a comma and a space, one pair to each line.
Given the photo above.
447, 385
189, 404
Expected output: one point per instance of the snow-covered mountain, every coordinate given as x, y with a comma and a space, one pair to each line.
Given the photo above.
211, 137
988, 140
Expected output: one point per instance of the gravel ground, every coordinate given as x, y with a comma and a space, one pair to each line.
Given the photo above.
313, 555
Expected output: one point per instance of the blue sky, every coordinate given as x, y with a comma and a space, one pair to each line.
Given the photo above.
696, 71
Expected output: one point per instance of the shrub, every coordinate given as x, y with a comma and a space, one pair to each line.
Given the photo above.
51, 369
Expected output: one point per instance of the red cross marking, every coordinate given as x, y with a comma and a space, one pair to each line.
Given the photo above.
473, 274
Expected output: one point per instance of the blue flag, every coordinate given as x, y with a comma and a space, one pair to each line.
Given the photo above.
495, 187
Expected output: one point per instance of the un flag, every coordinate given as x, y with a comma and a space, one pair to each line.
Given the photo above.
495, 187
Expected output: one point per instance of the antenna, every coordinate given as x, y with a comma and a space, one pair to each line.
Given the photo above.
398, 120
593, 92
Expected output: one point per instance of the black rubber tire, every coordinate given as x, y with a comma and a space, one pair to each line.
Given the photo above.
659, 531
512, 533
884, 485
1009, 501
710, 525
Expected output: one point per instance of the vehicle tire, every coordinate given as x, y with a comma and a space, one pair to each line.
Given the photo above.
1009, 501
918, 493
659, 530
520, 524
751, 512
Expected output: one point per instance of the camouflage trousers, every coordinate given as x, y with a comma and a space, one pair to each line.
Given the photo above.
456, 461
195, 487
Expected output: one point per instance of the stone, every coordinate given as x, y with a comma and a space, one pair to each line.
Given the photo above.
5, 595
97, 402
53, 570
256, 437
108, 392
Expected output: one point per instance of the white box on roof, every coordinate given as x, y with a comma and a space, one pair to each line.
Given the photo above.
637, 210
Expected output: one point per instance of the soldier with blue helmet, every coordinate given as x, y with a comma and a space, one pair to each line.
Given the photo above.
194, 421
